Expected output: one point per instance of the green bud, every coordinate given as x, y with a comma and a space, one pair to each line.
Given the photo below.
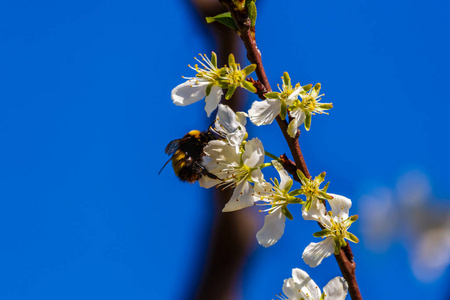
287, 213
307, 87
308, 205
296, 192
321, 176
283, 111
325, 188
351, 237
325, 195
272, 95
307, 121
230, 92
326, 105
289, 185
208, 89
249, 69
214, 59
248, 86
353, 218
337, 247
231, 61
301, 175
322, 233
317, 87
286, 79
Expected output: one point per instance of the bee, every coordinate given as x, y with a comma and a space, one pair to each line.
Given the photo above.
187, 155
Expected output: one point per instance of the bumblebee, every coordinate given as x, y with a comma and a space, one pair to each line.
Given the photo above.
187, 155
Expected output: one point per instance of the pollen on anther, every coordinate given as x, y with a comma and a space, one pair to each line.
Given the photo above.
237, 199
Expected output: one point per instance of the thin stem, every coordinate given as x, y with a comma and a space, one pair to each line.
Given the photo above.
247, 34
272, 156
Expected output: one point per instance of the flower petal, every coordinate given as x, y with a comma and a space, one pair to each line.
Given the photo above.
290, 289
213, 99
340, 207
315, 252
273, 228
317, 212
293, 96
306, 284
254, 153
336, 289
264, 112
207, 182
242, 197
189, 92
226, 119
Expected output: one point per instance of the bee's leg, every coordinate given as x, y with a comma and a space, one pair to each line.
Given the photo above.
205, 172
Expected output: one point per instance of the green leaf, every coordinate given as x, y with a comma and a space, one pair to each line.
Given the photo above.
301, 175
225, 19
251, 8
287, 213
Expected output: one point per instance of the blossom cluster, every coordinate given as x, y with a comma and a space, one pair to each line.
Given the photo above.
234, 161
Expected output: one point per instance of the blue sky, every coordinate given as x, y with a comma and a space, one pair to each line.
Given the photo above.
85, 114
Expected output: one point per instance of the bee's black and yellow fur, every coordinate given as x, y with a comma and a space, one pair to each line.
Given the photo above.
187, 155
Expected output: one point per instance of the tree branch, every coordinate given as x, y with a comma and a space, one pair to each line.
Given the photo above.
247, 34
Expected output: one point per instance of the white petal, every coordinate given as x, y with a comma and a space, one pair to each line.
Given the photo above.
264, 112
221, 151
262, 188
207, 182
299, 114
242, 197
226, 119
273, 228
290, 289
336, 289
317, 212
189, 92
236, 138
294, 95
213, 99
306, 284
315, 252
254, 153
340, 207
241, 117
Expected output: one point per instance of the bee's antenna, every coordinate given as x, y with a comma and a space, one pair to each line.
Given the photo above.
164, 165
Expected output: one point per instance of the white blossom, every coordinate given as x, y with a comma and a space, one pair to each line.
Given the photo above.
277, 196
335, 224
238, 169
205, 84
301, 286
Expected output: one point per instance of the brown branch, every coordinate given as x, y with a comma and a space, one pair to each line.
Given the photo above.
247, 34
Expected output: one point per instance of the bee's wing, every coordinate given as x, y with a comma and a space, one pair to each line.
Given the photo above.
172, 146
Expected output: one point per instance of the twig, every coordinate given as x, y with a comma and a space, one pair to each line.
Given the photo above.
247, 34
